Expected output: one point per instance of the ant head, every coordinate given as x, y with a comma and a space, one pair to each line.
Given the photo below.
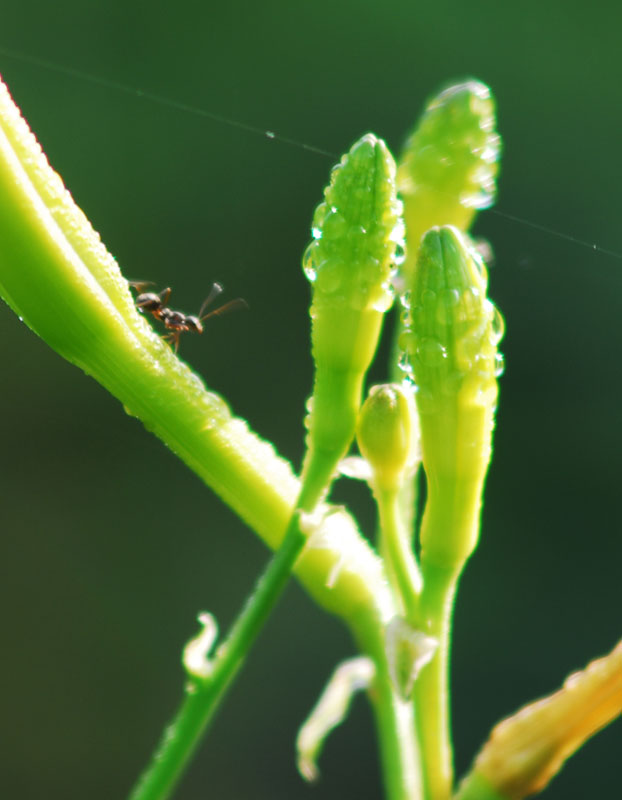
149, 301
194, 324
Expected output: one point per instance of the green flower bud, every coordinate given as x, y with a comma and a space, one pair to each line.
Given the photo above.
387, 434
448, 168
356, 230
452, 347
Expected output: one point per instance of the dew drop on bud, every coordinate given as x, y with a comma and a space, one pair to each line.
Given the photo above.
498, 326
430, 352
308, 262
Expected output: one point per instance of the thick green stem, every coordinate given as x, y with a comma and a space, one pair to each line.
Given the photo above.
395, 725
432, 697
57, 275
452, 513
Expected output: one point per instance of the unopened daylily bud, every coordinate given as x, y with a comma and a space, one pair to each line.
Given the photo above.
448, 168
388, 433
356, 231
452, 346
526, 751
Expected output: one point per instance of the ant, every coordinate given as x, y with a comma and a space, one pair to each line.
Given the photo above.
176, 321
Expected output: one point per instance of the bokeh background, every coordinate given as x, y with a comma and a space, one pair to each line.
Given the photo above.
109, 546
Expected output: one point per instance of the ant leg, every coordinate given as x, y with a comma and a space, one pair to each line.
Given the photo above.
140, 285
165, 295
173, 339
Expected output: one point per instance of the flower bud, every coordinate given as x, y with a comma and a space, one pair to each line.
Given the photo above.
452, 346
356, 231
387, 433
448, 168
525, 751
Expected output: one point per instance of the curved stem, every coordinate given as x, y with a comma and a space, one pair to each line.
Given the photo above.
58, 276
203, 697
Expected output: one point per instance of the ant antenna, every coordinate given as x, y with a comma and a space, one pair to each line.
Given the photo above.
216, 290
232, 305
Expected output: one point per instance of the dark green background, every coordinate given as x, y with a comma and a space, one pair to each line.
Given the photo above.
110, 546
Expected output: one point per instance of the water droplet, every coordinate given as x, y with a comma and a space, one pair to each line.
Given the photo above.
316, 232
477, 199
405, 299
330, 277
308, 262
499, 365
431, 353
400, 255
270, 134
428, 297
318, 219
385, 299
480, 266
445, 309
406, 342
451, 297
498, 326
404, 364
452, 383
334, 225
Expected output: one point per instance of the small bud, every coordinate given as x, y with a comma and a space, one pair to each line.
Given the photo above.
526, 751
448, 168
356, 231
387, 434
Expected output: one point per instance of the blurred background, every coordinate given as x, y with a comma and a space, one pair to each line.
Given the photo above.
110, 546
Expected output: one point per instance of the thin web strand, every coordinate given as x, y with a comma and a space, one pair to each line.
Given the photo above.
223, 120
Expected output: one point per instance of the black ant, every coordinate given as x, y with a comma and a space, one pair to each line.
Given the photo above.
176, 321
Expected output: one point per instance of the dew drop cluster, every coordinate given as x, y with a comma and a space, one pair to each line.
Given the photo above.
449, 347
357, 232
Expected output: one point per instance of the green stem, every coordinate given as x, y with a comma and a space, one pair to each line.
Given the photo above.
202, 698
399, 557
431, 688
399, 750
452, 514
476, 787
408, 492
57, 275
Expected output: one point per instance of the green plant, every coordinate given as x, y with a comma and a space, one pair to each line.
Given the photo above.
397, 599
